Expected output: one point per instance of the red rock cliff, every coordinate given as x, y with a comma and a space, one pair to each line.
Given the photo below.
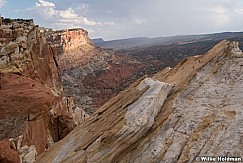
68, 39
32, 111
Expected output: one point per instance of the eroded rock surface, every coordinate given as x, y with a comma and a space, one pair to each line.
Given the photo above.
8, 154
23, 96
194, 109
31, 94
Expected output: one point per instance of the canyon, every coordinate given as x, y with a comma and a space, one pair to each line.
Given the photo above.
90, 74
65, 99
93, 75
178, 115
36, 64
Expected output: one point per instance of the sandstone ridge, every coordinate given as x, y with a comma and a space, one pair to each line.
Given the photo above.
194, 109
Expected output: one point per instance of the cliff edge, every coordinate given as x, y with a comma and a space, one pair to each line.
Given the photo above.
33, 113
192, 110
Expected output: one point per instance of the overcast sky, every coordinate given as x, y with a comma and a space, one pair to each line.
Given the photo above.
114, 19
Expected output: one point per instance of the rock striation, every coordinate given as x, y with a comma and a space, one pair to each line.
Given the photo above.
194, 109
33, 114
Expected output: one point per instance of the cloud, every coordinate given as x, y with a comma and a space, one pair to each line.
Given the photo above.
120, 19
139, 21
163, 17
219, 16
82, 8
64, 18
42, 3
239, 10
214, 9
221, 20
49, 15
2, 3
109, 23
88, 22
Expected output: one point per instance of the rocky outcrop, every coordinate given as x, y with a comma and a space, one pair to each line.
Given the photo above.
192, 110
7, 152
31, 103
22, 99
78, 115
68, 39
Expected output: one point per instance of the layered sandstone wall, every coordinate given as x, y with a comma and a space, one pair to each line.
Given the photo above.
32, 110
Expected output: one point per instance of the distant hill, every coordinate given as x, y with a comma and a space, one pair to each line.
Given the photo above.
123, 43
98, 40
146, 42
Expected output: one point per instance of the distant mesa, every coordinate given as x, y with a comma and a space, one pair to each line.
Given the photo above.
98, 40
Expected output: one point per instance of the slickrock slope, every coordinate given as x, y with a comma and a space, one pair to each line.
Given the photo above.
89, 74
194, 109
33, 114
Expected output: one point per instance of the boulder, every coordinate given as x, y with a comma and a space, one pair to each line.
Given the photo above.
8, 154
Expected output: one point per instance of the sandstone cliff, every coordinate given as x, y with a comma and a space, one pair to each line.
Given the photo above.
32, 110
194, 109
89, 74
68, 39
